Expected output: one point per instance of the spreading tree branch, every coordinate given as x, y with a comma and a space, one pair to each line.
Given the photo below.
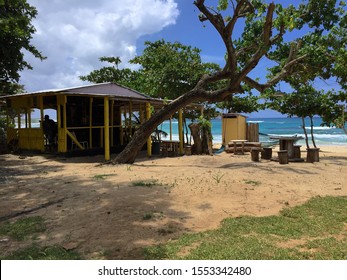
263, 47
225, 31
285, 71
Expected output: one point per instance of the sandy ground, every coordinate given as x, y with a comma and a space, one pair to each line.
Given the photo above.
98, 211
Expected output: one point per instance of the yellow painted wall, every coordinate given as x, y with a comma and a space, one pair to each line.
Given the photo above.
61, 115
234, 127
22, 102
31, 139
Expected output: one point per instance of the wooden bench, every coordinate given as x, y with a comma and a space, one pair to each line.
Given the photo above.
247, 146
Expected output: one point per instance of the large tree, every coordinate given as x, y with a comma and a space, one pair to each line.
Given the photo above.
265, 26
304, 102
170, 69
16, 30
334, 109
166, 70
113, 73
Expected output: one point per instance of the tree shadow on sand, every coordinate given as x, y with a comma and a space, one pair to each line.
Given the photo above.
101, 218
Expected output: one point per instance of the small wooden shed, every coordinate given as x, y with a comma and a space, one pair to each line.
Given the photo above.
234, 127
98, 116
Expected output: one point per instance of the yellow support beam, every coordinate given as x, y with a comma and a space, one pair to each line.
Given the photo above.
62, 131
149, 140
74, 139
180, 130
107, 128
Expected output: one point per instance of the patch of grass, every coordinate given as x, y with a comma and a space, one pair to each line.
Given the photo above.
102, 176
153, 215
29, 227
35, 252
329, 247
314, 230
147, 216
217, 177
22, 228
147, 184
253, 183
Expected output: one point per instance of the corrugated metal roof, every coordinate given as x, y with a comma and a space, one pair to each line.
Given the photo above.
112, 90
233, 115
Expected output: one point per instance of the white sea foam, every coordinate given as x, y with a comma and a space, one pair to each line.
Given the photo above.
320, 127
255, 121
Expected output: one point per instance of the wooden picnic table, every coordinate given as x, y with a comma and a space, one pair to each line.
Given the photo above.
242, 142
287, 143
170, 147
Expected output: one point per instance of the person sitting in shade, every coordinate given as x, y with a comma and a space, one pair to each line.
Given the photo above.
50, 130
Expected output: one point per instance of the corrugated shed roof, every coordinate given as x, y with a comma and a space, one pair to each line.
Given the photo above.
233, 115
112, 90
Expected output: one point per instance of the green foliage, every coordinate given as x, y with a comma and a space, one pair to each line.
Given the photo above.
125, 77
291, 235
334, 109
15, 36
204, 123
167, 70
241, 104
170, 69
304, 102
299, 43
323, 47
222, 5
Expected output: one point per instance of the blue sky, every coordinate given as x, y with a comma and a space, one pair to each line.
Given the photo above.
73, 34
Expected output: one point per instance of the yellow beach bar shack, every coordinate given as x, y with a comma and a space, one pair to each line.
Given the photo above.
96, 117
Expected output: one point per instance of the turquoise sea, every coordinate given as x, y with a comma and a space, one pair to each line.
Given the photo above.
277, 126
270, 126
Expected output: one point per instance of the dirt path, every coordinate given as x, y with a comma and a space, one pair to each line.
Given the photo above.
103, 212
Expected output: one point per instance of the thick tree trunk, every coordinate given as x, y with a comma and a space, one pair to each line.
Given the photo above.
312, 155
230, 73
305, 132
312, 136
206, 141
141, 135
195, 131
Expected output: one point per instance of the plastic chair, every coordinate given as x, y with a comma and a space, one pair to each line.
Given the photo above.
84, 144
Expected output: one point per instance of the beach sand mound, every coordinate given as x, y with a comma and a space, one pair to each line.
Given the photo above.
114, 211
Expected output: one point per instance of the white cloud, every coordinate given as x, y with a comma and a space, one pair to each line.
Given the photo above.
73, 34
